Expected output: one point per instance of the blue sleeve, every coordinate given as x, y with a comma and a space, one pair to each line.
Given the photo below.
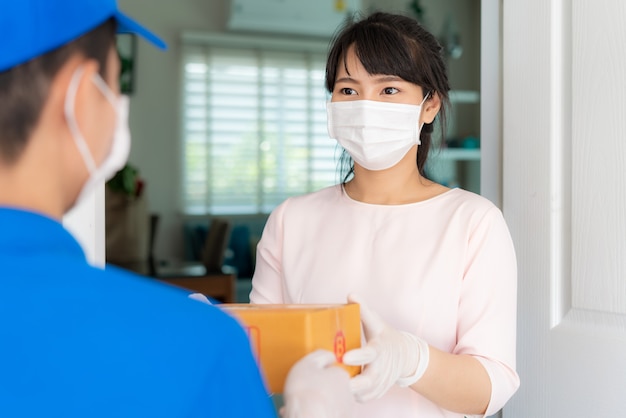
234, 387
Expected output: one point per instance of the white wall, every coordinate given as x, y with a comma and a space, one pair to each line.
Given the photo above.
155, 104
155, 110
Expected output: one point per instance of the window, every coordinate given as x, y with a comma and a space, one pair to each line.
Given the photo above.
254, 125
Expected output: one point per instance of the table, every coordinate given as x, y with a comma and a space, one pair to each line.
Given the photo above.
193, 276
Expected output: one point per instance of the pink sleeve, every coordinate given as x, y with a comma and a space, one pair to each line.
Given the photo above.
488, 306
267, 280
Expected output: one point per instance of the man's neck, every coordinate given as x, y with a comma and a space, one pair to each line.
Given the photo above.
33, 182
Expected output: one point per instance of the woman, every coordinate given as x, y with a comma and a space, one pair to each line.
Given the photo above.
433, 268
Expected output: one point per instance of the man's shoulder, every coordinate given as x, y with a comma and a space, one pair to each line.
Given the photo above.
135, 292
123, 304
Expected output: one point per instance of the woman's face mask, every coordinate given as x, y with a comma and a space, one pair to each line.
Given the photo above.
377, 135
120, 147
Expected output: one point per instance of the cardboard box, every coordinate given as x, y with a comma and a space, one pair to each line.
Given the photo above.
280, 335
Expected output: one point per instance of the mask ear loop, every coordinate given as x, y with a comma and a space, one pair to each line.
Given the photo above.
70, 102
419, 130
105, 89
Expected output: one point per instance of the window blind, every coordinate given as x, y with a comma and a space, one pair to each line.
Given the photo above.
254, 127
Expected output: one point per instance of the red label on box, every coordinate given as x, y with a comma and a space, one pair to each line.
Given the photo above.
340, 346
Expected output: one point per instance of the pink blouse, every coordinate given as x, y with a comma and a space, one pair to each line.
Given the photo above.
443, 269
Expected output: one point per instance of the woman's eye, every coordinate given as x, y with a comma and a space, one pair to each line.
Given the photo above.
348, 91
390, 90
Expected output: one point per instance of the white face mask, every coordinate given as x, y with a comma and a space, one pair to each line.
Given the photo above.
377, 135
120, 147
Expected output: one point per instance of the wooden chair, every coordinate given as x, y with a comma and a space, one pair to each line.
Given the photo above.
208, 277
215, 244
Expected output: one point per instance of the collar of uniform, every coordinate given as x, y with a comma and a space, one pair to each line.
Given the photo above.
26, 232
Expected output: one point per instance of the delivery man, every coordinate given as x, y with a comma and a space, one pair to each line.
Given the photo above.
79, 341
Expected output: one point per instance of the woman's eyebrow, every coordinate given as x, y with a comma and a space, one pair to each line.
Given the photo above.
387, 78
380, 79
346, 80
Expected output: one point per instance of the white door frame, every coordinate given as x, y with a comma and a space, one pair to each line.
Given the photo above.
491, 101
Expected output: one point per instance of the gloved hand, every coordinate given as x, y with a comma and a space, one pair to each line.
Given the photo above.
390, 357
200, 298
315, 388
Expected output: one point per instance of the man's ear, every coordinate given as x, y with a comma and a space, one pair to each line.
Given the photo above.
430, 108
60, 84
86, 110
87, 94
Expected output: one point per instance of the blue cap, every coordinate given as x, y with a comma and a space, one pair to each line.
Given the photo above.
29, 28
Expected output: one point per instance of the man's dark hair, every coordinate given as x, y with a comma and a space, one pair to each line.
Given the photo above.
24, 88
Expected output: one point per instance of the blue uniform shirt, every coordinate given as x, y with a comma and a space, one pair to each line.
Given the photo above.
78, 341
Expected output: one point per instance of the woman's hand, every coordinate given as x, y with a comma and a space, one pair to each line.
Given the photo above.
390, 357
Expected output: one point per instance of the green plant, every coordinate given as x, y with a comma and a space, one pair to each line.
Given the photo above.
125, 181
417, 9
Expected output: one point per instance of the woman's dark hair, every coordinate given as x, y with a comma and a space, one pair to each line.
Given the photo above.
393, 45
24, 88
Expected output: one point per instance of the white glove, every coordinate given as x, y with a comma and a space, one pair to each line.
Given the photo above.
200, 298
315, 388
390, 357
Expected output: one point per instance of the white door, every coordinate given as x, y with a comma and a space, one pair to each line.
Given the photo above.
564, 198
86, 222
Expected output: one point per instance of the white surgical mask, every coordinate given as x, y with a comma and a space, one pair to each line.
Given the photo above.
377, 135
120, 147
